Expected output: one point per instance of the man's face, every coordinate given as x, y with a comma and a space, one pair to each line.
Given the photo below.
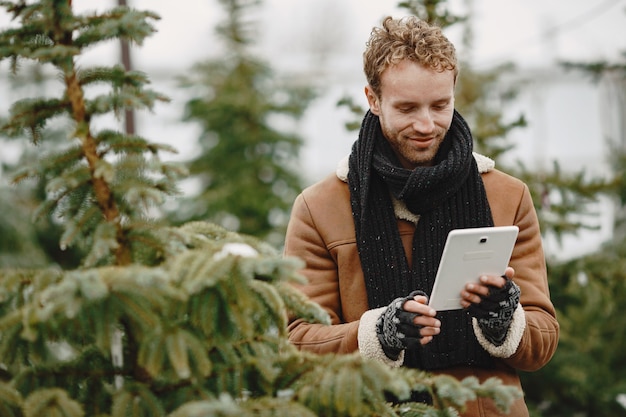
415, 110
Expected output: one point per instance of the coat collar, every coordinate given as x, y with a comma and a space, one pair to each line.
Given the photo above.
485, 164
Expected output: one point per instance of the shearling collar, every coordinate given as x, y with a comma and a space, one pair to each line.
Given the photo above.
485, 164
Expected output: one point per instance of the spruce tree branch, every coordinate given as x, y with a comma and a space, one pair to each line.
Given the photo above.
60, 33
102, 190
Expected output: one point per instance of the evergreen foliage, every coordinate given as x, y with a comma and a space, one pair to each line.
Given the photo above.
122, 176
246, 167
19, 200
18, 234
584, 378
157, 320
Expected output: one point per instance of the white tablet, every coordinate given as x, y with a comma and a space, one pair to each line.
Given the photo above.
468, 254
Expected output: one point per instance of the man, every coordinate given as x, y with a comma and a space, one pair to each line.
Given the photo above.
372, 233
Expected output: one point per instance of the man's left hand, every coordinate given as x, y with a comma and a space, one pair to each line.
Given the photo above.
492, 301
474, 291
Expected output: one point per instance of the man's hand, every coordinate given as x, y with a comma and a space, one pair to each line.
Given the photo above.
492, 301
475, 291
405, 323
424, 317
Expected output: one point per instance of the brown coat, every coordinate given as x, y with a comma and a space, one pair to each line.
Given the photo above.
321, 232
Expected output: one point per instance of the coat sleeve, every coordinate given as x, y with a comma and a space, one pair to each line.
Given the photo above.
303, 240
538, 338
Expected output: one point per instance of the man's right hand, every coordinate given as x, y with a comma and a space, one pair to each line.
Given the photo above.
407, 322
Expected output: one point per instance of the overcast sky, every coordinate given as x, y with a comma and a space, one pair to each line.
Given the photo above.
525, 31
528, 32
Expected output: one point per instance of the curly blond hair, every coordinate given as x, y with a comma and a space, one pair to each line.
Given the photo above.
406, 38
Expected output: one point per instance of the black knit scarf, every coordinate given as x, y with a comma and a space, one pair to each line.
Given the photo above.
448, 195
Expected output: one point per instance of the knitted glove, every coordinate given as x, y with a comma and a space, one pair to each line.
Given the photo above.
495, 312
395, 328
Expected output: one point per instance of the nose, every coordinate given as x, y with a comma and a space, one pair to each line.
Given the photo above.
423, 122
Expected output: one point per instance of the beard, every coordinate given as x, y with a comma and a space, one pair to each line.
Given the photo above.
412, 149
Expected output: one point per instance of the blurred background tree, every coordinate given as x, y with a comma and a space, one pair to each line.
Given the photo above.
246, 171
584, 377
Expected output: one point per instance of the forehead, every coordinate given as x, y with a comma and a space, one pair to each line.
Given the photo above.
410, 81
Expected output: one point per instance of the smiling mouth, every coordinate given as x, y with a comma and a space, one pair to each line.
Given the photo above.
421, 142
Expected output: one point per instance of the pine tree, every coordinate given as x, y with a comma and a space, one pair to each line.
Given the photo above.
246, 167
157, 320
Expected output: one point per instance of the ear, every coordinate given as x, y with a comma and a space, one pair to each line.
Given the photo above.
373, 100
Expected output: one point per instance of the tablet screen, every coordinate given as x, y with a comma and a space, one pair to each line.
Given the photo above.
468, 254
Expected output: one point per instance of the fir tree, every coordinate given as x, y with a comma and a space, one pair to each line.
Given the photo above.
100, 182
246, 166
158, 320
